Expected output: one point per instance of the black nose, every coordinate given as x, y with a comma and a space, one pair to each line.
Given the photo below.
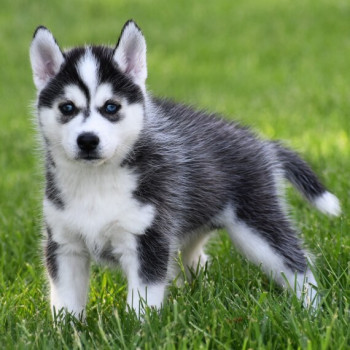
88, 141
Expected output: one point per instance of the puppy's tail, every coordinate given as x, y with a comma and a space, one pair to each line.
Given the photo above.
299, 173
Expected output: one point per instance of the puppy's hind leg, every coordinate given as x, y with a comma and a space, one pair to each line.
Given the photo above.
268, 239
192, 251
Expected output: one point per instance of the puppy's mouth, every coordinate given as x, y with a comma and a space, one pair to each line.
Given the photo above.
89, 156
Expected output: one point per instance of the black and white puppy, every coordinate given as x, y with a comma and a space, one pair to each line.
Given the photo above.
131, 180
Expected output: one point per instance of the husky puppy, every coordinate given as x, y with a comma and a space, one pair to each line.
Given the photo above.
131, 179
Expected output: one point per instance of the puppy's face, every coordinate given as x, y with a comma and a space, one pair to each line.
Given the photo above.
90, 100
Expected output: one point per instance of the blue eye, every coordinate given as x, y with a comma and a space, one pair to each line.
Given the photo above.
67, 108
111, 108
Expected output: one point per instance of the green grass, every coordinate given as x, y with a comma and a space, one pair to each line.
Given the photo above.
282, 67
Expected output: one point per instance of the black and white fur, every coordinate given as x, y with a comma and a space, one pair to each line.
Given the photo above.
132, 179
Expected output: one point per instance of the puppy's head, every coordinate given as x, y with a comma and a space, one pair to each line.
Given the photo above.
90, 100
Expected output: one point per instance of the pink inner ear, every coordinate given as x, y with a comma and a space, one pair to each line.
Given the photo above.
50, 68
47, 70
131, 67
130, 55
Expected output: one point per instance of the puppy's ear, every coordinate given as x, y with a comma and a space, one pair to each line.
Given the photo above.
130, 53
45, 56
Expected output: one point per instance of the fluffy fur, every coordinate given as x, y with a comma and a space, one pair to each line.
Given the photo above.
132, 179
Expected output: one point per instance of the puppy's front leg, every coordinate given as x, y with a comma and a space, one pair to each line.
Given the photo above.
141, 294
146, 271
68, 270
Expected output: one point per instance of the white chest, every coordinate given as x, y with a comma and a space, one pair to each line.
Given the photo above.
99, 206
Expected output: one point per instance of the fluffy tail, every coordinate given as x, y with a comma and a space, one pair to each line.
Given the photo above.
299, 173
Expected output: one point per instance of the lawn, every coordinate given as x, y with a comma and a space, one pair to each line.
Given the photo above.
282, 67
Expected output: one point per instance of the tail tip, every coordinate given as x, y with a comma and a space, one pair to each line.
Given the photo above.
328, 203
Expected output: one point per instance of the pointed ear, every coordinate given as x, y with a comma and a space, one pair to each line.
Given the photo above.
45, 56
130, 53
